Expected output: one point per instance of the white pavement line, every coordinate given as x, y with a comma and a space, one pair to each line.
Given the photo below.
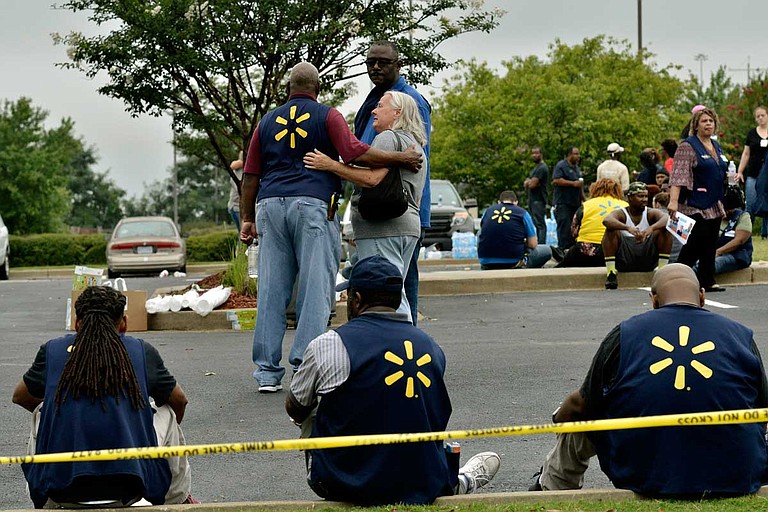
707, 302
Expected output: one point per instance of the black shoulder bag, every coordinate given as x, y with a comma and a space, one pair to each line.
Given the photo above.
387, 200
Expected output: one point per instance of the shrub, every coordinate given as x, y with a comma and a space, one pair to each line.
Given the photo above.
51, 250
57, 250
217, 246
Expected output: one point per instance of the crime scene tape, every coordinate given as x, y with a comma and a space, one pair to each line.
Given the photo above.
317, 443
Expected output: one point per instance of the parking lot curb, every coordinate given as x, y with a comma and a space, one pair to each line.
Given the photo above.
486, 498
555, 279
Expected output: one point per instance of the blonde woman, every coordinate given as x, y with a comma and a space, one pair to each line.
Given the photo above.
398, 123
752, 159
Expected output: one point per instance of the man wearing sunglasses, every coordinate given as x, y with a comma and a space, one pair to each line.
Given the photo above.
383, 64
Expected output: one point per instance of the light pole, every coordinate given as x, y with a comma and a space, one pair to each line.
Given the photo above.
701, 58
640, 28
175, 173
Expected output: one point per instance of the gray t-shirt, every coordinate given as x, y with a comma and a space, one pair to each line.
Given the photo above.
408, 224
234, 197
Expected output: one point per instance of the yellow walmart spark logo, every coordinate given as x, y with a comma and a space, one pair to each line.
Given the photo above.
283, 121
683, 333
399, 361
607, 208
502, 215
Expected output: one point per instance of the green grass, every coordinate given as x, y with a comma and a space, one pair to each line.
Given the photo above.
236, 275
749, 503
760, 252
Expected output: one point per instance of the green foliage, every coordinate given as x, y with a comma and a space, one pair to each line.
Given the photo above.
95, 198
715, 95
34, 166
586, 95
46, 180
202, 195
737, 116
236, 275
221, 64
57, 249
211, 247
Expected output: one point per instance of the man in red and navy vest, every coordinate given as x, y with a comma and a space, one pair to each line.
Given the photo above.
678, 358
379, 374
298, 230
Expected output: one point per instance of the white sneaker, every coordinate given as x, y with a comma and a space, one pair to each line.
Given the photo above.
478, 471
270, 388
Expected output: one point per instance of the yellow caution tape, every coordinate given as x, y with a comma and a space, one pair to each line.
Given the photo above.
316, 443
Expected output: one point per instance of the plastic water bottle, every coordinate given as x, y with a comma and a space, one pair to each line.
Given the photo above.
253, 260
732, 173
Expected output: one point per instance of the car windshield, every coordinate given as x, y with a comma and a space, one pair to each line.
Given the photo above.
157, 228
443, 193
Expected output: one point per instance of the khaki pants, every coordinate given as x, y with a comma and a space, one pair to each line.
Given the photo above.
168, 433
567, 462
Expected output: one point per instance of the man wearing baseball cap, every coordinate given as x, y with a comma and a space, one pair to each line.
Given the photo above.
379, 374
612, 168
636, 238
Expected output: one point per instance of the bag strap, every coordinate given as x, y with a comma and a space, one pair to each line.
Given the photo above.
398, 139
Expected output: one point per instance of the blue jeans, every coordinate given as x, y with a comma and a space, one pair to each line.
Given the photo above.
539, 256
536, 258
398, 250
235, 214
297, 243
751, 193
724, 263
411, 283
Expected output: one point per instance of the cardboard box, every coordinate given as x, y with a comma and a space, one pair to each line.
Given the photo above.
135, 309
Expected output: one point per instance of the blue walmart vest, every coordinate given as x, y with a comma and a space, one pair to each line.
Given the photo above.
286, 134
502, 234
743, 254
708, 176
682, 359
82, 425
395, 386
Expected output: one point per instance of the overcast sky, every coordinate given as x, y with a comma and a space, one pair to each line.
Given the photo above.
138, 151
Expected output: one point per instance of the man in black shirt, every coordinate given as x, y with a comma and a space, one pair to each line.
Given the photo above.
536, 185
568, 193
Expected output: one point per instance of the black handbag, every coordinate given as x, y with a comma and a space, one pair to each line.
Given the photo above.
387, 200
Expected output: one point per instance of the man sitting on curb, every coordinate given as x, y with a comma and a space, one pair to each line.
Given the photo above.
636, 238
508, 238
95, 390
734, 246
678, 358
379, 374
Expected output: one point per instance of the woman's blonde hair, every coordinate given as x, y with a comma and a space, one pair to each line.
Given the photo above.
410, 119
606, 187
697, 116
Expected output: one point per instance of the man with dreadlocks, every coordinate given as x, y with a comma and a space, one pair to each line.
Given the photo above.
100, 389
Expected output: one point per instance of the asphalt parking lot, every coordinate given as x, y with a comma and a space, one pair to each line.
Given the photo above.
511, 358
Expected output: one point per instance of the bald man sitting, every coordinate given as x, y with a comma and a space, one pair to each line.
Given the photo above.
677, 358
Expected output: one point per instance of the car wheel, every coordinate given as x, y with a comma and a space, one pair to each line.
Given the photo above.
112, 274
183, 268
5, 268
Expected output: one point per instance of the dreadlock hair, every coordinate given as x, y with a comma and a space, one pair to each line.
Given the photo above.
99, 365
